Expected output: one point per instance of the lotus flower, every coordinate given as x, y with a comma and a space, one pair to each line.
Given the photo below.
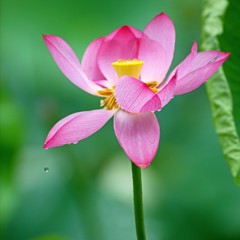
127, 69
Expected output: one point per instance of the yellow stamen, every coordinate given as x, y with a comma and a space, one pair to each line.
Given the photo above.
129, 67
106, 91
110, 101
153, 86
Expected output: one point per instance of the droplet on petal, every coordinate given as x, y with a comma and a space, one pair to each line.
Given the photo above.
213, 60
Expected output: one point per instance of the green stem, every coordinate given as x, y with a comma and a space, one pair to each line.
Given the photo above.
138, 203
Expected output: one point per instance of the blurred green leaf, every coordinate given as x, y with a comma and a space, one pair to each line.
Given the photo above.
11, 135
222, 89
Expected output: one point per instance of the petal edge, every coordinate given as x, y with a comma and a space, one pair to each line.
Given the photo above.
76, 127
68, 63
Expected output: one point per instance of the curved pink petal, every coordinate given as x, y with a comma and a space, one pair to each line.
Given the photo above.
184, 67
68, 63
202, 67
162, 30
196, 60
89, 60
122, 45
105, 83
167, 92
135, 96
207, 57
76, 127
137, 33
154, 104
154, 57
138, 134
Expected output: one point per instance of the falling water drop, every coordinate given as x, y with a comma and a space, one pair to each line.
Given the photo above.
46, 169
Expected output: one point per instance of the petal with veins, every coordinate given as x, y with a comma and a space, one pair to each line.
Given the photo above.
154, 57
199, 70
69, 64
154, 104
135, 96
162, 30
76, 127
138, 134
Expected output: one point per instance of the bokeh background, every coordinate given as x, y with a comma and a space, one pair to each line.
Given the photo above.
86, 193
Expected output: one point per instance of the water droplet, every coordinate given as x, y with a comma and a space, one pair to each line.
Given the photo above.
46, 169
213, 60
75, 142
46, 148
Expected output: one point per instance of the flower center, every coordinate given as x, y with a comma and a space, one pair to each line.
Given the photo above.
129, 67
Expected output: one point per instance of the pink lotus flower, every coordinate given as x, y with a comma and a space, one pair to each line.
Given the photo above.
131, 89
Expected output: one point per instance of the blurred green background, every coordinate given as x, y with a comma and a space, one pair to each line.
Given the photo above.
87, 193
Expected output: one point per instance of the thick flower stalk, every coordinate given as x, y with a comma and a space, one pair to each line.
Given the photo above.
127, 69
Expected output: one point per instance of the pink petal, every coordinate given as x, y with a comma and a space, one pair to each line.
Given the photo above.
154, 57
201, 68
137, 33
154, 104
162, 30
135, 96
184, 66
89, 60
68, 63
138, 134
105, 84
76, 127
168, 91
123, 44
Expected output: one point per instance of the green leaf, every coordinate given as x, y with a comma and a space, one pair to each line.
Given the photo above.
230, 42
222, 88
